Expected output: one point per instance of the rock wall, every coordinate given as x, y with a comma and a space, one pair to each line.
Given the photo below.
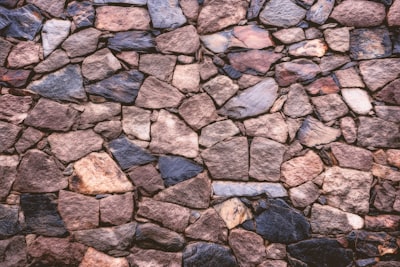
200, 133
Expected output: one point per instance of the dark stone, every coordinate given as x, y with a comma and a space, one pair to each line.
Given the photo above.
132, 40
390, 93
372, 244
385, 196
5, 49
203, 254
13, 252
41, 215
321, 252
14, 78
396, 42
146, 179
165, 13
232, 72
281, 224
177, 169
82, 13
9, 225
254, 8
128, 154
122, 87
370, 43
4, 22
378, 133
150, 235
8, 3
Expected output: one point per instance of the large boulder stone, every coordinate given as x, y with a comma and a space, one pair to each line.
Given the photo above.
207, 255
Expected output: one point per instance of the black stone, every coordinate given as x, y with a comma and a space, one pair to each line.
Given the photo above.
122, 87
177, 169
371, 244
152, 236
132, 40
203, 254
8, 3
370, 43
128, 154
83, 13
321, 252
282, 224
41, 215
9, 225
232, 72
254, 8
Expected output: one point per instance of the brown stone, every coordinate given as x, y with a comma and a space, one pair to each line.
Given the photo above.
159, 66
298, 103
14, 108
309, 48
388, 113
276, 251
349, 78
28, 139
115, 18
152, 236
290, 35
136, 122
198, 111
13, 252
330, 107
184, 40
14, 78
378, 72
54, 61
55, 9
370, 43
78, 212
100, 65
389, 93
271, 126
297, 70
8, 174
221, 88
217, 132
96, 258
169, 215
82, 43
349, 129
233, 212
253, 37
304, 194
393, 16
329, 63
393, 157
301, 169
385, 172
93, 113
322, 86
108, 129
273, 263
207, 69
190, 8
97, 173
117, 209
313, 132
152, 257
146, 179
187, 78
38, 173
338, 39
5, 49
352, 157
380, 157
384, 222
376, 132
253, 60
24, 54
385, 197
242, 242
129, 57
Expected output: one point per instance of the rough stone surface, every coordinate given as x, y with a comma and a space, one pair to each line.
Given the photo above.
146, 179
177, 169
100, 65
198, 111
8, 137
8, 173
338, 39
82, 13
253, 61
377, 73
393, 14
152, 257
221, 88
13, 251
217, 132
159, 66
378, 133
238, 189
187, 78
304, 194
184, 40
201, 254
290, 35
93, 113
282, 13
352, 157
153, 236
96, 258
320, 11
136, 122
81, 43
370, 43
309, 48
349, 78
117, 209
349, 129
241, 242
388, 113
312, 132
297, 70
165, 14
54, 61
132, 40
9, 225
14, 78
114, 18
54, 32
297, 103
233, 212
330, 107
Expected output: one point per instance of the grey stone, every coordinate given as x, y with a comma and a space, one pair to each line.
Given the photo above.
150, 235
82, 43
298, 103
313, 132
248, 189
9, 224
8, 174
165, 14
54, 61
82, 13
55, 9
329, 63
132, 40
54, 32
157, 65
304, 195
13, 251
208, 254
282, 13
376, 132
177, 169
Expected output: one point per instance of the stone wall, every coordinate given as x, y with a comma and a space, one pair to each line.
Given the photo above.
199, 133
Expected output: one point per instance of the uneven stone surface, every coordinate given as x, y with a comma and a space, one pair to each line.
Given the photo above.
217, 132
198, 111
110, 18
253, 61
117, 209
236, 189
81, 43
386, 69
23, 54
100, 65
282, 13
352, 157
14, 108
14, 251
378, 133
297, 70
200, 253
370, 43
311, 48
242, 242
165, 14
297, 103
159, 66
177, 169
233, 212
220, 88
155, 237
172, 42
146, 179
313, 132
304, 194
93, 257
54, 32
139, 257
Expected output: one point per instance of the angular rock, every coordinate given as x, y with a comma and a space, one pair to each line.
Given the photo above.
143, 257
393, 14
54, 61
330, 107
128, 154
9, 224
233, 212
349, 78
54, 32
82, 43
64, 84
297, 104
100, 65
322, 86
253, 61
290, 35
146, 179
55, 9
13, 251
190, 9
217, 132
241, 242
208, 254
93, 113
220, 88
187, 78
393, 157
384, 222
171, 135
389, 93
388, 113
24, 54
372, 244
218, 42
136, 122
109, 129
13, 78
377, 73
252, 37
14, 108
301, 169
129, 57
349, 129
8, 174
313, 132
376, 132
152, 236
248, 189
217, 15
254, 8
296, 70
165, 14
320, 11
117, 18
193, 193
228, 159
117, 209
247, 104
132, 2
231, 72
338, 39
304, 194
329, 63
41, 215
276, 251
282, 13
38, 173
198, 111
95, 258
78, 212
309, 48
370, 43
169, 215
177, 169
352, 157
184, 40
385, 197
347, 189
28, 139
159, 66
385, 172
97, 173
209, 227
132, 40
208, 69
82, 13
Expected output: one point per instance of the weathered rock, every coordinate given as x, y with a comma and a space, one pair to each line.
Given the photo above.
370, 43
97, 173
393, 14
193, 193
187, 78
28, 139
329, 63
14, 108
282, 13
8, 174
109, 129
247, 104
110, 18
190, 9
171, 135
143, 257
13, 251
254, 8
146, 179
136, 122
320, 11
349, 129
301, 169
252, 37
169, 215
159, 66
389, 93
64, 84
54, 61
349, 78
208, 69
132, 40
253, 61
393, 157
304, 194
309, 48
273, 263
266, 157
330, 107
165, 14
372, 244
220, 88
93, 113
82, 43
217, 15
198, 111
177, 169
241, 242
296, 70
276, 251
9, 224
82, 13
55, 9
184, 40
208, 254
24, 54
313, 132
297, 103
54, 32
217, 132
388, 113
117, 209
352, 157
41, 215
129, 57
384, 222
385, 197
150, 235
338, 39
290, 35
233, 212
132, 2
14, 78
78, 212
231, 72
228, 159
378, 133
95, 258
209, 227
250, 189
347, 189
100, 65
385, 172
377, 73
218, 42
38, 173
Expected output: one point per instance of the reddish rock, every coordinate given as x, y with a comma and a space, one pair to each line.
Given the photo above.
152, 236
24, 54
100, 65
297, 104
117, 209
220, 88
309, 48
146, 179
271, 126
159, 66
183, 40
393, 157
297, 70
241, 242
14, 78
129, 57
152, 257
349, 129
96, 258
115, 18
253, 60
330, 107
352, 157
322, 86
385, 222
13, 252
290, 35
377, 73
190, 9
253, 37
338, 39
393, 16
8, 171
389, 93
136, 122
385, 172
14, 108
349, 78
187, 78
198, 111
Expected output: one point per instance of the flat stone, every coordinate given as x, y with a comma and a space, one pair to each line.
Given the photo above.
136, 122
143, 257
233, 212
14, 108
384, 222
393, 157
93, 113
313, 132
14, 251
320, 11
117, 209
82, 13
282, 13
202, 253
129, 57
28, 139
338, 39
8, 169
152, 236
100, 65
54, 32
329, 63
349, 78
177, 169
38, 173
247, 104
393, 14
208, 69
64, 84
220, 88
347, 189
248, 189
228, 159
297, 104
377, 73
330, 107
218, 42
253, 61
290, 35
217, 15
271, 126
169, 215
55, 9
187, 78
378, 133
389, 93
171, 135
110, 18
301, 169
209, 227
352, 157
388, 113
74, 145
198, 111
252, 37
296, 70
132, 40
242, 241
41, 215
372, 244
78, 212
370, 43
146, 179
198, 188
349, 129
14, 78
9, 224
97, 173
24, 54
96, 258
217, 132
385, 172
184, 40
157, 65
82, 43
231, 72
309, 48
109, 129
128, 154
54, 61
165, 14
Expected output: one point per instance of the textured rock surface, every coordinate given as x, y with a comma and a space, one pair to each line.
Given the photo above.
200, 253
236, 189
113, 18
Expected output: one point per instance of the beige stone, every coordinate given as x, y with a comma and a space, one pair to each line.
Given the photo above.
221, 88
349, 78
96, 258
393, 157
100, 65
217, 132
198, 111
136, 122
24, 54
309, 48
290, 35
184, 40
338, 39
157, 65
271, 126
187, 78
233, 212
